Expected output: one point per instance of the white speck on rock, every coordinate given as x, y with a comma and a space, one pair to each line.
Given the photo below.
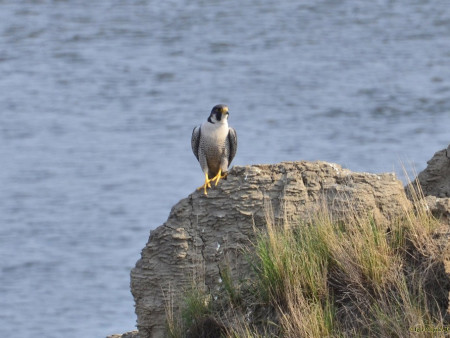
334, 167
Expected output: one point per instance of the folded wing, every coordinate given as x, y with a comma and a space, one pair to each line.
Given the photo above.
232, 141
195, 141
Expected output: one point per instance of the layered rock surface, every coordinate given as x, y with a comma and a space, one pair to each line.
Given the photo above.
203, 233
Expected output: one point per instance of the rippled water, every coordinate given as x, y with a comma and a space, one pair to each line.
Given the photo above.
99, 98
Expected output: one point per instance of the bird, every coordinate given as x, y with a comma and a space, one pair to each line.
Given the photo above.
214, 144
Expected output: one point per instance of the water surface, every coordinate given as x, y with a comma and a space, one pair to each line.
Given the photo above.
98, 101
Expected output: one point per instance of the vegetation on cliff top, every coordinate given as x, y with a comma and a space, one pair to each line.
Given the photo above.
328, 278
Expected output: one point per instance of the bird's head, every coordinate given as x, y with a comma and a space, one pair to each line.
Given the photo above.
219, 114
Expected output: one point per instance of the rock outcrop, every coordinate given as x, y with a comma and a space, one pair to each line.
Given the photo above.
209, 231
435, 179
435, 184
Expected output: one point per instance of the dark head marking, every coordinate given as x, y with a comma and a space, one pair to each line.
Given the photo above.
218, 111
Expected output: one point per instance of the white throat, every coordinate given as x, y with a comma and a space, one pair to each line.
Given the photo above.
220, 127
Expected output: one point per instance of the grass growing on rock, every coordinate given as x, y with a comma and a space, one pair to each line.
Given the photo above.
331, 278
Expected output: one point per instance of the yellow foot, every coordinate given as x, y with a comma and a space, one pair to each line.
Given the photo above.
206, 185
219, 176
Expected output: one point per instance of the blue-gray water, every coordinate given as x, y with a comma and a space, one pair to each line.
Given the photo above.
98, 100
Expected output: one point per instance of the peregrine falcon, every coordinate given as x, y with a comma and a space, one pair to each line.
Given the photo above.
214, 144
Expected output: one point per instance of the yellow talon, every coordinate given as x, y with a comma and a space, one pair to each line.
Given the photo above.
206, 185
218, 177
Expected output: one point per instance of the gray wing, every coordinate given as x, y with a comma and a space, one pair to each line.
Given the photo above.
232, 141
195, 141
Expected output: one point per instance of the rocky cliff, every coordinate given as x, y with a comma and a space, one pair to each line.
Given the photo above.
208, 231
